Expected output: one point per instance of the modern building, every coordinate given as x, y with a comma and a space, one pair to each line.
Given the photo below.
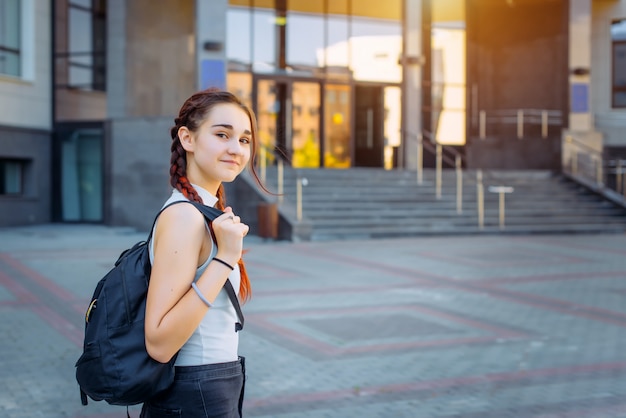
89, 89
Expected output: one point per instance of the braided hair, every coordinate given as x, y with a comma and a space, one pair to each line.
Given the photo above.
192, 114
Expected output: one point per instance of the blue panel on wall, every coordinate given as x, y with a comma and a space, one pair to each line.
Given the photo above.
580, 98
212, 74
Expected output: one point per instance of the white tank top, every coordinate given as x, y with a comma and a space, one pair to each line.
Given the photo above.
215, 339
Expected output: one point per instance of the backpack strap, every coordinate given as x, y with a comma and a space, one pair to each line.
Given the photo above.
233, 298
210, 213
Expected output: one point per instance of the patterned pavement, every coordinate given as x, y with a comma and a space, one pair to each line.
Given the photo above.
480, 326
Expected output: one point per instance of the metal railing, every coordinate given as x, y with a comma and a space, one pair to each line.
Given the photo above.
588, 165
454, 158
538, 121
265, 153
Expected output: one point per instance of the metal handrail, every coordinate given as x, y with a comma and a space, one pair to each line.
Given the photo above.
264, 150
438, 150
520, 117
588, 164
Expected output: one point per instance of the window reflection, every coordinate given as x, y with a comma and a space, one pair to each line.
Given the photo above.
238, 24
305, 130
375, 47
305, 37
264, 41
337, 126
10, 37
618, 35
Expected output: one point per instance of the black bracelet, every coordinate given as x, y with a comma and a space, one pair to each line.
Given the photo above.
219, 260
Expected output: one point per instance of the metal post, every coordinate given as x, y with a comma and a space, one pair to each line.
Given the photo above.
299, 199
420, 159
480, 196
280, 180
263, 164
438, 174
575, 163
520, 124
482, 124
501, 193
544, 123
459, 185
599, 171
618, 176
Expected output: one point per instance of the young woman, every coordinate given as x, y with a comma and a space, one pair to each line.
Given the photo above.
188, 312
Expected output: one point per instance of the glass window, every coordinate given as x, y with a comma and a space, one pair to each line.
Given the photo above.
10, 37
305, 40
337, 52
81, 176
305, 133
618, 36
264, 41
86, 53
375, 47
238, 36
337, 122
11, 174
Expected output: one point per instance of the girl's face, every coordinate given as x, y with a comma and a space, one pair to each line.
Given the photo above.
220, 148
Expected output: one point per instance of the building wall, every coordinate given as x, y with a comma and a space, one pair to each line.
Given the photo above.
160, 56
517, 59
34, 147
27, 101
610, 122
26, 120
139, 151
151, 71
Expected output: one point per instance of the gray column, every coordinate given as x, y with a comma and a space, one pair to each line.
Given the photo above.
412, 80
116, 58
211, 43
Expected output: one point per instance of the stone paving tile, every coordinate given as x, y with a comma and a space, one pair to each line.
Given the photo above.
482, 326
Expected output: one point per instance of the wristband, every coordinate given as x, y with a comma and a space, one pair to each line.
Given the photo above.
219, 260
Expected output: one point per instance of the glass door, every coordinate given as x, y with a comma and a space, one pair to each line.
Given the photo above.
304, 126
267, 110
369, 126
80, 171
337, 125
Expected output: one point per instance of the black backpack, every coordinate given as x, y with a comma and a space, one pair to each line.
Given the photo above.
115, 365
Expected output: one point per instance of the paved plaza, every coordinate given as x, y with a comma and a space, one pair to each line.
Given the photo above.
474, 327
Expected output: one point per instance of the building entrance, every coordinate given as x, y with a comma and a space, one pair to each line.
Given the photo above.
369, 119
78, 179
307, 121
322, 124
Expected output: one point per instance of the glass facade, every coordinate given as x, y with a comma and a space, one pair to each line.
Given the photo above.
448, 72
618, 36
82, 176
10, 18
84, 57
11, 177
300, 63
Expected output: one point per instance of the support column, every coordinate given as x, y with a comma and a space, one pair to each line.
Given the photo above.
411, 82
580, 65
580, 136
211, 43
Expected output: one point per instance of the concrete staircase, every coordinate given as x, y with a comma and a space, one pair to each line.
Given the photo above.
371, 203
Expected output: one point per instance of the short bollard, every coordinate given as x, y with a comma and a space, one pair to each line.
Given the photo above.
501, 190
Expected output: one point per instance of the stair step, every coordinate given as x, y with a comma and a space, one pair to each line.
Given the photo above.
363, 202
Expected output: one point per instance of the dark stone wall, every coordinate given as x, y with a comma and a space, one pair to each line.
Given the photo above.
517, 59
34, 148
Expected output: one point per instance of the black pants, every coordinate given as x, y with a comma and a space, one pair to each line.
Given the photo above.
207, 391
